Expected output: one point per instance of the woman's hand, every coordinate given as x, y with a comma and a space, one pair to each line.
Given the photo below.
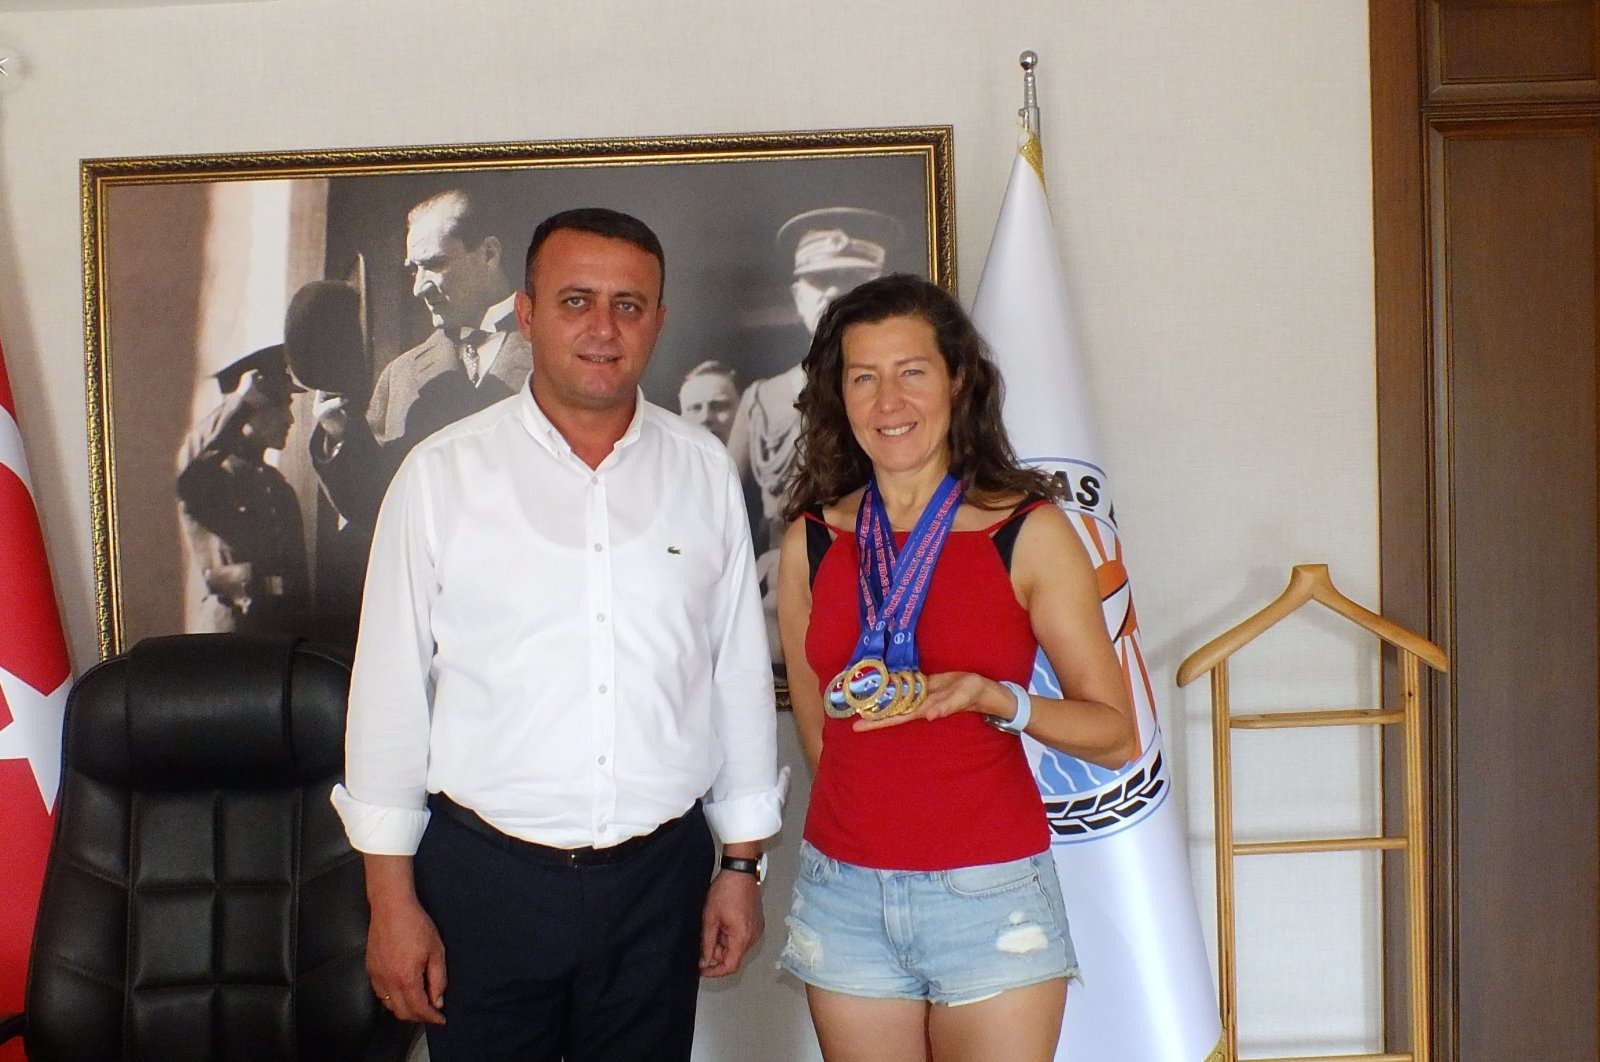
948, 693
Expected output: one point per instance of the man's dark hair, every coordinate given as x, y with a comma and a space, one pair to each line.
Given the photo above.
832, 464
600, 221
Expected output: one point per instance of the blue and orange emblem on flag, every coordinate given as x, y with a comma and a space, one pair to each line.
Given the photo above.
1084, 801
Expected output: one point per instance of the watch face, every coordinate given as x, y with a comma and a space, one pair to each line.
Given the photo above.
756, 867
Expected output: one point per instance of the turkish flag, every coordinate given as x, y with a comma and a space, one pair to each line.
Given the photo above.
34, 676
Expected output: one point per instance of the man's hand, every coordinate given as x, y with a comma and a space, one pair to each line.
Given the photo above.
405, 957
231, 583
252, 391
330, 410
732, 923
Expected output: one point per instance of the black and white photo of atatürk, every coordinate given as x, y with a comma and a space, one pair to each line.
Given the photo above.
270, 335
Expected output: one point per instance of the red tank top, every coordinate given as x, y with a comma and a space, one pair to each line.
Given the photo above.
952, 792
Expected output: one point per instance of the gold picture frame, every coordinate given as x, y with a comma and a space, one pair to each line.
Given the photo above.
190, 263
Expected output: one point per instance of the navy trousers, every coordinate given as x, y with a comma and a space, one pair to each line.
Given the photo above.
547, 963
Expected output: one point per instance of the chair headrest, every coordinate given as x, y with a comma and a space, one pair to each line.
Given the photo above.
211, 710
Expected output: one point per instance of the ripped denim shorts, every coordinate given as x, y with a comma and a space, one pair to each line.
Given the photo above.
945, 936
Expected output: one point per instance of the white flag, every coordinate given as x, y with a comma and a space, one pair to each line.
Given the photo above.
1146, 993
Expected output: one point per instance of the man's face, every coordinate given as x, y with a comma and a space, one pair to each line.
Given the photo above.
814, 292
592, 319
457, 283
709, 400
269, 422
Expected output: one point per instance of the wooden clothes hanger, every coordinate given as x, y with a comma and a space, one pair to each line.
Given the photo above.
1307, 582
1310, 582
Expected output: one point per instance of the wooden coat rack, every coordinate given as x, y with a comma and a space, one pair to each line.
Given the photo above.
1310, 582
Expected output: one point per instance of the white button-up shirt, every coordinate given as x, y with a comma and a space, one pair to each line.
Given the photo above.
576, 654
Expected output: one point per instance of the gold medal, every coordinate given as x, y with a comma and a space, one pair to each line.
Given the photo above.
905, 694
870, 690
895, 694
908, 694
918, 683
879, 707
864, 685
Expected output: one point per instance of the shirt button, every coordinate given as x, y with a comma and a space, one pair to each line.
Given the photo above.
594, 479
602, 762
600, 617
598, 547
602, 687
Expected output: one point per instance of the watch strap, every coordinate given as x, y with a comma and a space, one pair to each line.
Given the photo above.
1018, 723
752, 867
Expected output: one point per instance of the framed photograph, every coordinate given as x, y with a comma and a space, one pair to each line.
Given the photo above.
269, 334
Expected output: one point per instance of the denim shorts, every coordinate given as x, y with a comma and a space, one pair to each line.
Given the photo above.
945, 936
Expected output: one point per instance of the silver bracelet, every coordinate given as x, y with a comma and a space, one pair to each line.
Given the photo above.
1019, 722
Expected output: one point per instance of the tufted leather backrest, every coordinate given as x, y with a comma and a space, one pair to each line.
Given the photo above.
201, 901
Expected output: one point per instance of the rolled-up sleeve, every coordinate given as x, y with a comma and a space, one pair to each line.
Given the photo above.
746, 800
383, 801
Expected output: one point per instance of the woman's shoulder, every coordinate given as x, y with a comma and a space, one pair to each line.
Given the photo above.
1045, 543
840, 514
989, 511
823, 523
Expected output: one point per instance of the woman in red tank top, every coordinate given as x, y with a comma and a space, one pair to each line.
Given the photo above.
926, 921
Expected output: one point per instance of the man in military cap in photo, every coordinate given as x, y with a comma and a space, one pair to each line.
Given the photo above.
240, 516
473, 358
834, 250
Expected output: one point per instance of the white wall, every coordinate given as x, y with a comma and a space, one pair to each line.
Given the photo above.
1209, 164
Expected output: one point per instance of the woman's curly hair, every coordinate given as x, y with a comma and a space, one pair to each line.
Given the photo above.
831, 463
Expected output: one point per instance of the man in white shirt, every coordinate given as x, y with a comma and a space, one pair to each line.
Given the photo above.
560, 678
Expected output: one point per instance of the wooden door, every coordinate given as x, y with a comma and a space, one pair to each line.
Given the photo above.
1486, 166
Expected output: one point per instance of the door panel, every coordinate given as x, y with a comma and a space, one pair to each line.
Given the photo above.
1486, 135
1518, 280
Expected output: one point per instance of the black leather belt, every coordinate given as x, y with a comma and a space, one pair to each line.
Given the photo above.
565, 857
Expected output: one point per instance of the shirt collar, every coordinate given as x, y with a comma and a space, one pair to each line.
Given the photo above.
549, 436
502, 316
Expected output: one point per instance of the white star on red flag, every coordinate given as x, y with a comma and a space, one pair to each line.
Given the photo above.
34, 733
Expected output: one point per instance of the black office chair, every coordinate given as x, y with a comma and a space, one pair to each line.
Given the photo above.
200, 900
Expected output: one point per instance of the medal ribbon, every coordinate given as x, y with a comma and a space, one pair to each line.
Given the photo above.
893, 583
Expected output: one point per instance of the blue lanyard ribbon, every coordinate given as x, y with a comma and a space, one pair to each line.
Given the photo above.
893, 584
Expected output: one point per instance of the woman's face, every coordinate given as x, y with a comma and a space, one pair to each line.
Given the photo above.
898, 394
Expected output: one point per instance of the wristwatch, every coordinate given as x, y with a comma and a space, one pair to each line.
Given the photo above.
756, 866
